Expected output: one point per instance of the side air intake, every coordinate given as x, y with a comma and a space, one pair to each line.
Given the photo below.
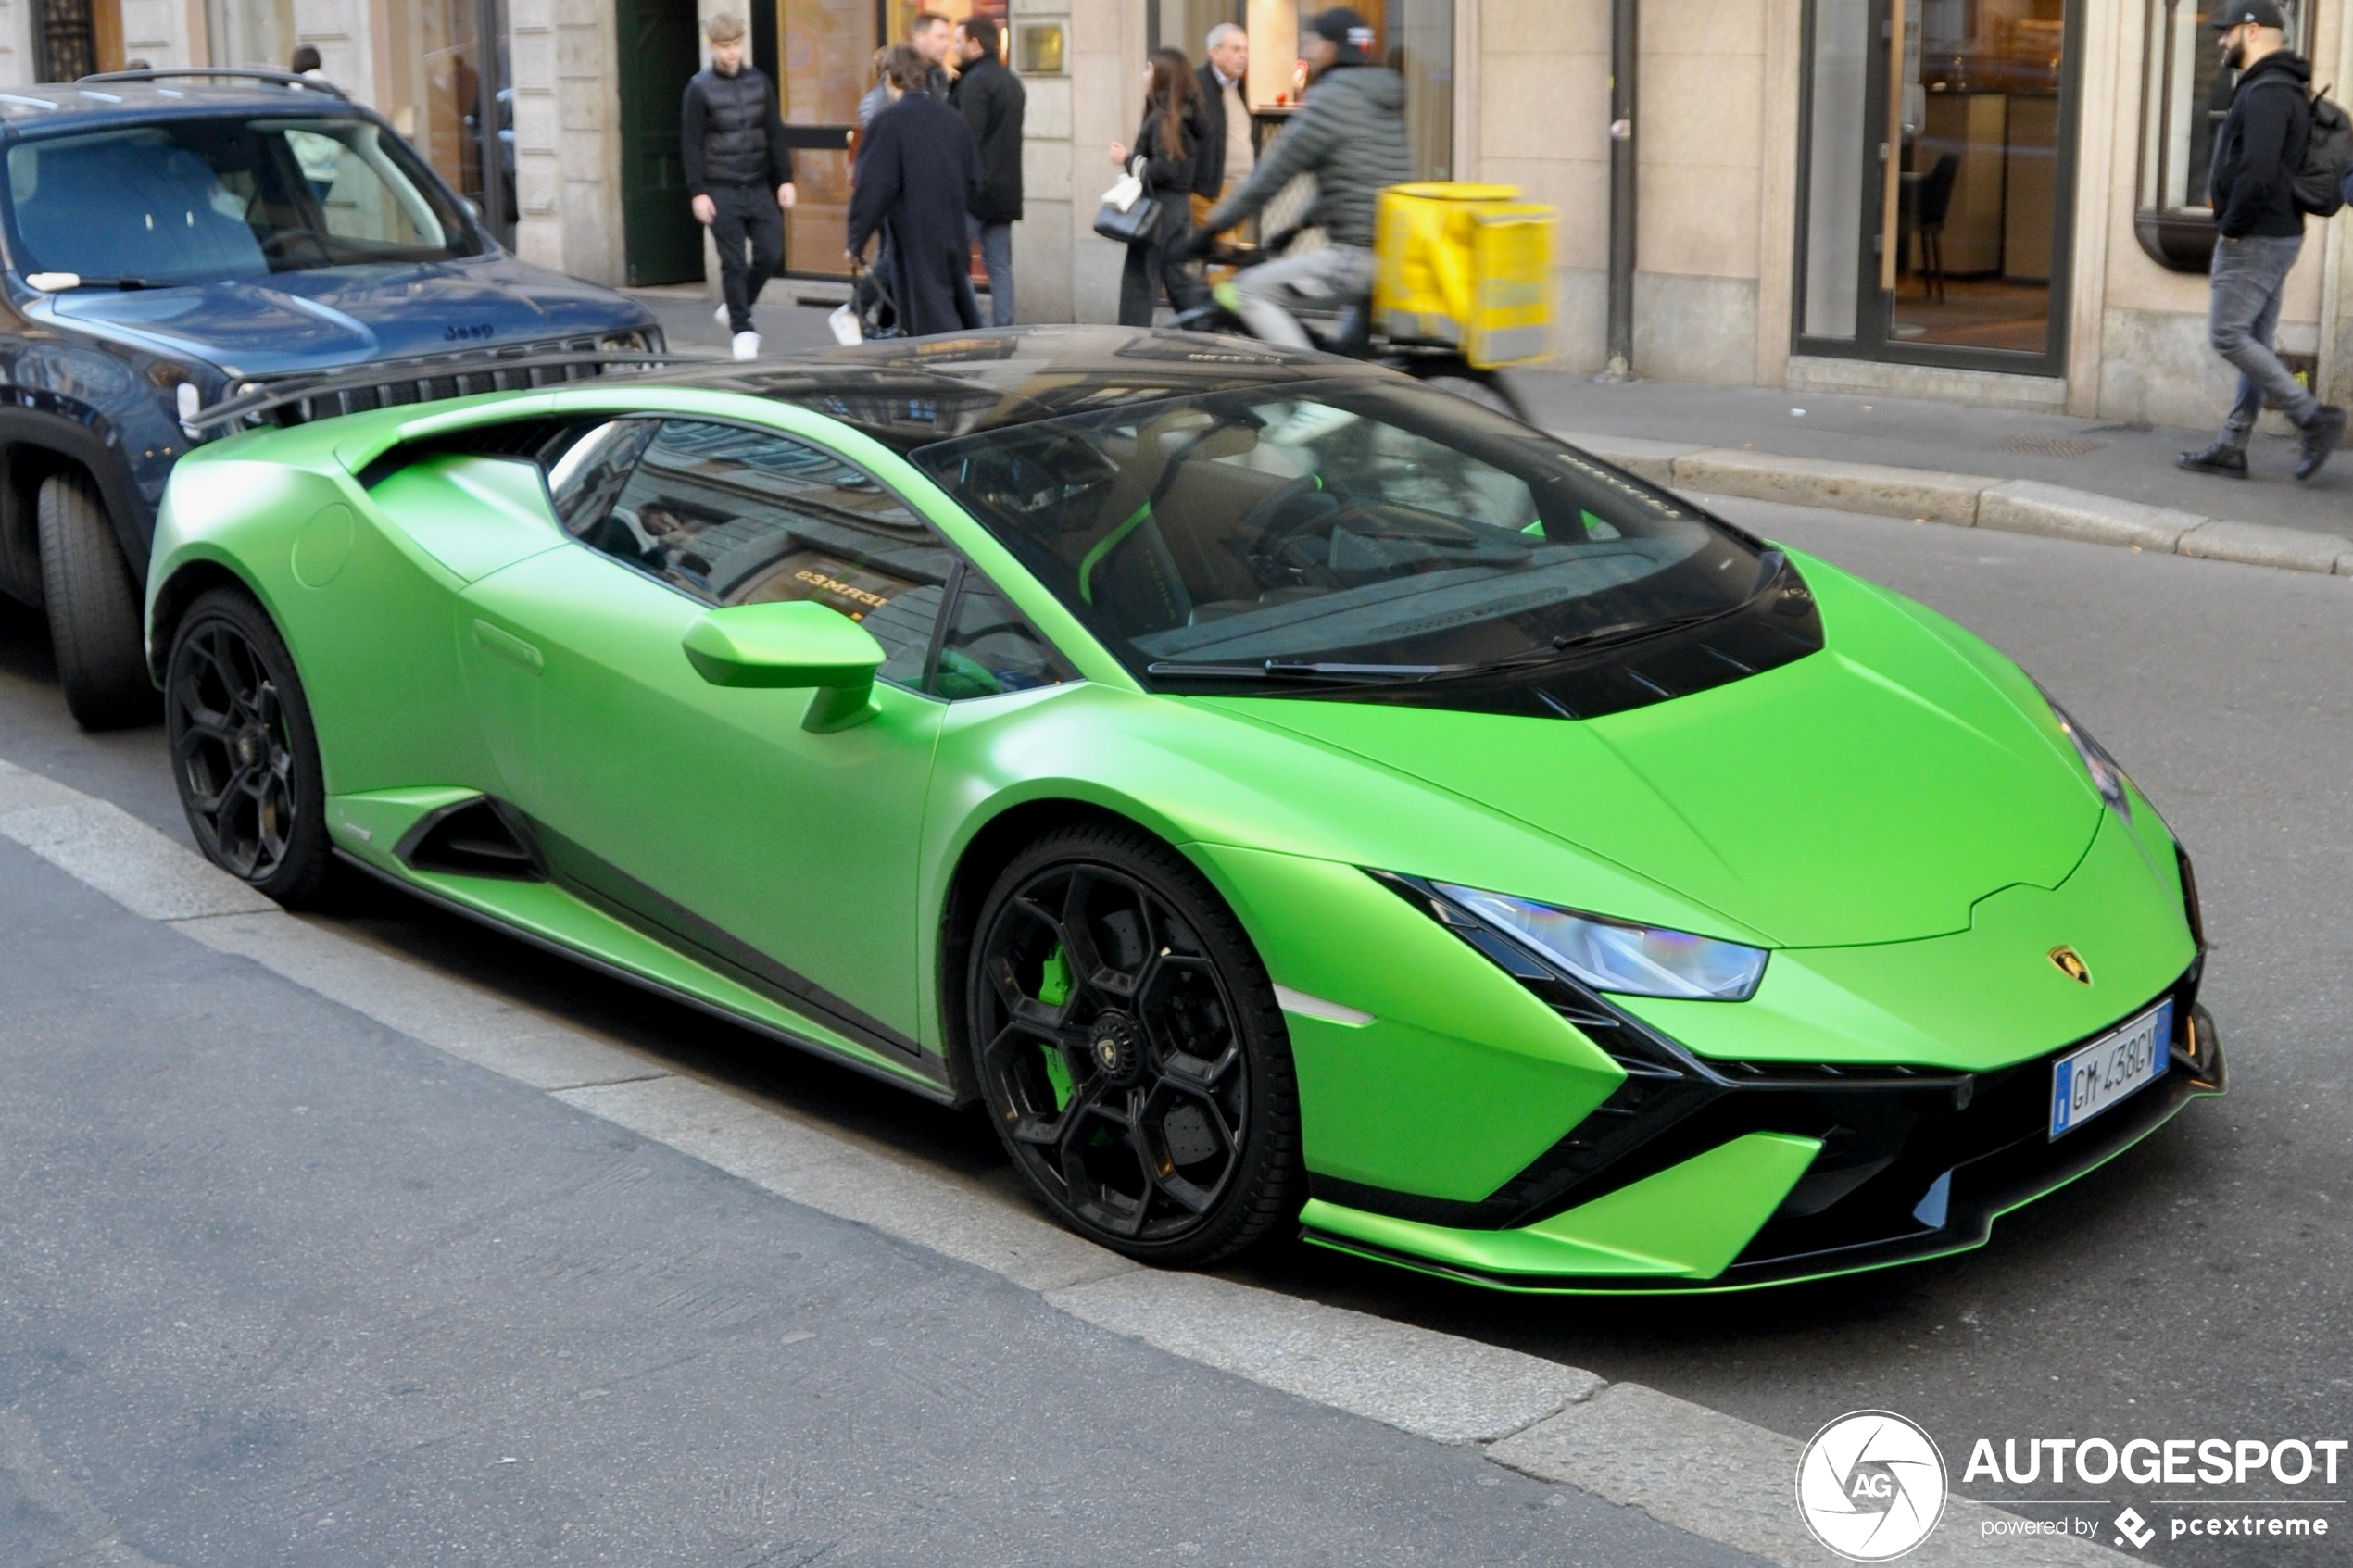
477, 837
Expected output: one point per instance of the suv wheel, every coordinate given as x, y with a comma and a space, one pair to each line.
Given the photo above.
94, 608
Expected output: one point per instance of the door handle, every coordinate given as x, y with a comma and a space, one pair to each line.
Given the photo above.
512, 649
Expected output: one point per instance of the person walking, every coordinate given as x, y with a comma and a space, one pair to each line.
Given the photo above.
1349, 134
1168, 150
739, 173
2257, 155
930, 35
1229, 139
992, 102
917, 169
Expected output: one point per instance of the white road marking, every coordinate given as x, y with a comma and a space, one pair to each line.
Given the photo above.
1702, 1471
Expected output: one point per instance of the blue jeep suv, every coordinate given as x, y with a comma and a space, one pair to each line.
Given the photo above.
175, 238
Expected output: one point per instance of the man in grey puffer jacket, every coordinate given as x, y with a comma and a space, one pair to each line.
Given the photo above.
1351, 135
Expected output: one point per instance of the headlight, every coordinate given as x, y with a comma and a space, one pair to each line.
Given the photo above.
2107, 776
1609, 955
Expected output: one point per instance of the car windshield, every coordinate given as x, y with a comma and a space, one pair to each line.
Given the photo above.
192, 201
1339, 530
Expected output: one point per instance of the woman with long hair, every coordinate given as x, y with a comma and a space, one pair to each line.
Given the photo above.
1174, 121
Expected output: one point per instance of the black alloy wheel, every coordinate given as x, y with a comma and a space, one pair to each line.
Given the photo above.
243, 753
1130, 1051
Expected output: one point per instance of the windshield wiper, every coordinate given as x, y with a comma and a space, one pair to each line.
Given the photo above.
81, 281
1769, 566
1293, 670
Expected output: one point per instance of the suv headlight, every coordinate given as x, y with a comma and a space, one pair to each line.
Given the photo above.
1611, 954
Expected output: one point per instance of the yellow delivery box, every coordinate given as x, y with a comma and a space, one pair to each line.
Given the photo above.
1468, 267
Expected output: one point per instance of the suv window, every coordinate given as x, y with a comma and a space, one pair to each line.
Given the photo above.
735, 516
190, 201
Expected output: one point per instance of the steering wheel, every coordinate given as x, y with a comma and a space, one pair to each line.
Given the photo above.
1261, 519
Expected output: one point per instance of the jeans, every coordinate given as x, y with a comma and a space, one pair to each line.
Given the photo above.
996, 259
746, 213
1319, 280
2249, 273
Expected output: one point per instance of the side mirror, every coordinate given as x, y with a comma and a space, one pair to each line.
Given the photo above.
789, 645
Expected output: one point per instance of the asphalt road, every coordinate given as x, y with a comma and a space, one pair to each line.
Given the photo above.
2198, 1287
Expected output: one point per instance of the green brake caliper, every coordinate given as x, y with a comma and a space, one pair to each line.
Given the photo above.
1054, 989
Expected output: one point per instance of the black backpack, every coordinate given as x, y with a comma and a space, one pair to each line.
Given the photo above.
2327, 169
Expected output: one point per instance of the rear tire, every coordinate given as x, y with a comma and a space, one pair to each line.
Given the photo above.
94, 608
1130, 1052
244, 755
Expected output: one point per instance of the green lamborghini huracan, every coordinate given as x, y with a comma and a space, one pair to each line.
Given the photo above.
1284, 798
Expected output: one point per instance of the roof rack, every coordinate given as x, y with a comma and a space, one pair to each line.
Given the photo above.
468, 373
239, 73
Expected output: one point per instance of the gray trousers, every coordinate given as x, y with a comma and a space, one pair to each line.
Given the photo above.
1318, 279
2249, 274
997, 260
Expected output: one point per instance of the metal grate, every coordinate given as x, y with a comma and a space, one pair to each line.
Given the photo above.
2049, 446
446, 381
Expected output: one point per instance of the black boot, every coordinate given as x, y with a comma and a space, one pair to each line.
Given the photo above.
2221, 457
2320, 438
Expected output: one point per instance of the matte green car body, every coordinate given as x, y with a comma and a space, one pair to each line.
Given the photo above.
1898, 818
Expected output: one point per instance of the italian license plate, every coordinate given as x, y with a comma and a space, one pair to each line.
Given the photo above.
2114, 1067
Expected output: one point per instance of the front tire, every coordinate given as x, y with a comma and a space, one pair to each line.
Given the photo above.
243, 754
94, 608
1130, 1051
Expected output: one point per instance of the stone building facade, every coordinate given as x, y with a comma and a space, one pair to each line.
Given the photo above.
1990, 201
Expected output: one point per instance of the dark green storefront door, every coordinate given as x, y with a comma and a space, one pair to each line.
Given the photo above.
660, 48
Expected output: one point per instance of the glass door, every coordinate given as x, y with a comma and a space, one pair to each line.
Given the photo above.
1938, 168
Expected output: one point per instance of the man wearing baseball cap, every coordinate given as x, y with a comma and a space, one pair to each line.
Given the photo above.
2252, 185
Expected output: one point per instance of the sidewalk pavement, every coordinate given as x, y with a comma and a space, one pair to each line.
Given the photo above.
2102, 480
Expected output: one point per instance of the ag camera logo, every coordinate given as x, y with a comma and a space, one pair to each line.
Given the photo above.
1870, 1486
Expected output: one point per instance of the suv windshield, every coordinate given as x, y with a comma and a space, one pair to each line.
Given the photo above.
190, 201
1339, 530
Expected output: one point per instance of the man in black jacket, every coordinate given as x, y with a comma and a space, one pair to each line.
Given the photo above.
1229, 150
738, 172
917, 169
992, 101
2252, 184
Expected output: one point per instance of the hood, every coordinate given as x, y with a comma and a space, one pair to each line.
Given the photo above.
341, 315
2281, 63
1381, 86
1872, 792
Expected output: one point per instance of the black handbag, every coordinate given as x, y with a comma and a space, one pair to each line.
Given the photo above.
1135, 224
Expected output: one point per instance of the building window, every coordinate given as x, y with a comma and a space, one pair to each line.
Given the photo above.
2186, 91
71, 39
1937, 168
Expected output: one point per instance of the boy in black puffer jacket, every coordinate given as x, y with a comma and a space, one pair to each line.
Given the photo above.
739, 173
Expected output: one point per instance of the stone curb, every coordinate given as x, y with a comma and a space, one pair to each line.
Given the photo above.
1961, 500
1698, 1470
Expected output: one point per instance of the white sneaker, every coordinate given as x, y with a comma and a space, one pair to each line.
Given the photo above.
746, 346
720, 315
843, 321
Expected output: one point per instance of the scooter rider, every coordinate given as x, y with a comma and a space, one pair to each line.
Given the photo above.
1350, 134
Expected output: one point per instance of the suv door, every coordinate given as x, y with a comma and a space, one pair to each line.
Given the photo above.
708, 815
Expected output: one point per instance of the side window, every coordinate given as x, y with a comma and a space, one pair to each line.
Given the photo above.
734, 516
989, 649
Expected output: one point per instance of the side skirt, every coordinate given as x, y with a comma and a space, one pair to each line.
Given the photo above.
907, 1077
